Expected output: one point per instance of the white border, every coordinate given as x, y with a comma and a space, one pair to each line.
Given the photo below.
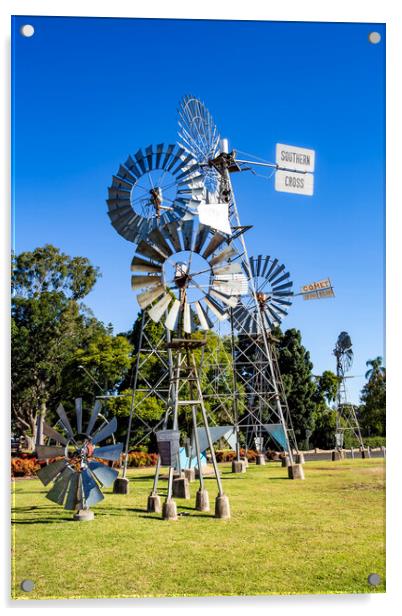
387, 11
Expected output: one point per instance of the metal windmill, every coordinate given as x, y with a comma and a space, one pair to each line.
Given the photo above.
199, 136
76, 469
346, 418
180, 275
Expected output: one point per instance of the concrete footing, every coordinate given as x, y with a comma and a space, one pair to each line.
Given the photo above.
238, 466
222, 507
202, 500
83, 515
295, 471
169, 510
120, 486
299, 458
180, 488
336, 455
154, 504
189, 474
245, 461
260, 459
285, 461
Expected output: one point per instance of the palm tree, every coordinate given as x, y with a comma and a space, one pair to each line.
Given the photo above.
376, 368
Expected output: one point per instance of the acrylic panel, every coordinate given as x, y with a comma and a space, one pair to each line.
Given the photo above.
198, 379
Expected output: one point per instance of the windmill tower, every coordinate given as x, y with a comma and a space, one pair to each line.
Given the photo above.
346, 418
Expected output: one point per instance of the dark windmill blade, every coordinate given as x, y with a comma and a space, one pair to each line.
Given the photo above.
268, 324
53, 434
126, 175
187, 233
148, 156
72, 498
175, 159
168, 155
279, 309
130, 164
216, 241
142, 282
222, 297
94, 416
157, 238
64, 420
44, 452
184, 160
49, 472
145, 250
201, 237
205, 321
159, 152
104, 474
120, 184
139, 157
173, 235
281, 279
141, 265
92, 494
282, 287
105, 432
146, 298
275, 273
258, 268
58, 492
173, 316
224, 255
271, 268
252, 267
78, 413
109, 452
215, 308
160, 308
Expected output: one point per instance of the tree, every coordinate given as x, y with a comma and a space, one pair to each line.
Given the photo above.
373, 397
324, 416
376, 368
47, 326
300, 389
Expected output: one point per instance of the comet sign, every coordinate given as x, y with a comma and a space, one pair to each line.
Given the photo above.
317, 290
295, 167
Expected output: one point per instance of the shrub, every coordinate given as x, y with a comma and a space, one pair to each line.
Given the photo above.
141, 458
24, 467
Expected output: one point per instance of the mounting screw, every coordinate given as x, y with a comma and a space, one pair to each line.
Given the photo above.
374, 579
27, 585
27, 30
374, 37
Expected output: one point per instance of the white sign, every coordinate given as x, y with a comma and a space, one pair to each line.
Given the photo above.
215, 215
293, 182
319, 294
294, 158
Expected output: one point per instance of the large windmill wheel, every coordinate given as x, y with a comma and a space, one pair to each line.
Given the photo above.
343, 352
186, 275
78, 474
274, 295
200, 137
153, 188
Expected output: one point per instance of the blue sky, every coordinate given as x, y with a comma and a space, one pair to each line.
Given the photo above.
87, 92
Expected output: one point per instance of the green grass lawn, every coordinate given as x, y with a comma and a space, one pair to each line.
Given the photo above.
324, 534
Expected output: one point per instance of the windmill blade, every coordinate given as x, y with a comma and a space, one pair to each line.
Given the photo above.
104, 474
139, 157
258, 268
279, 309
109, 452
281, 279
50, 471
226, 299
72, 498
130, 164
216, 240
105, 432
175, 159
126, 175
92, 494
157, 238
172, 232
173, 316
271, 268
187, 233
58, 492
275, 273
142, 282
252, 266
268, 324
78, 414
64, 420
146, 298
215, 308
148, 157
223, 256
186, 318
53, 434
160, 308
141, 265
283, 301
44, 453
168, 154
145, 250
200, 239
94, 416
205, 321
121, 184
282, 287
